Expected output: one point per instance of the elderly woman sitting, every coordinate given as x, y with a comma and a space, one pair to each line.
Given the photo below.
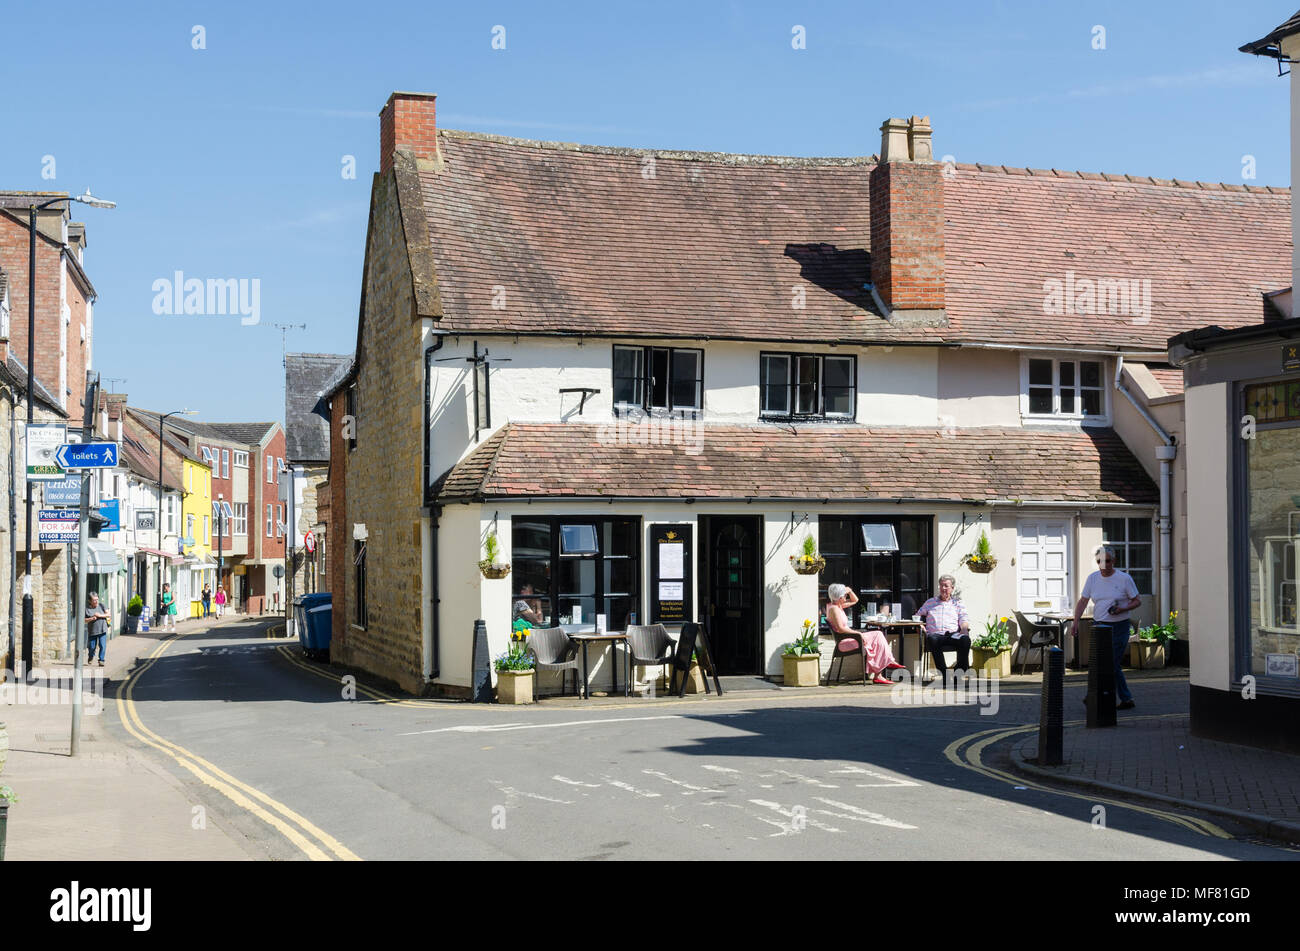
876, 656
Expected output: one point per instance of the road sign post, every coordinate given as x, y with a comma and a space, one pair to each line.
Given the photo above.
101, 452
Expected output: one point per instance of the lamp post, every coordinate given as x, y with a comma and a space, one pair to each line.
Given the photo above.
28, 610
161, 421
221, 511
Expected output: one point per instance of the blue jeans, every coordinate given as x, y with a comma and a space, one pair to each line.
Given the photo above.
1119, 644
92, 643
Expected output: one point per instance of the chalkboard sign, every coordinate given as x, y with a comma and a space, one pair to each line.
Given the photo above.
693, 640
671, 574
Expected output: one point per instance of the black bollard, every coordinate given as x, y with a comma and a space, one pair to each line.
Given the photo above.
1051, 715
481, 692
1101, 678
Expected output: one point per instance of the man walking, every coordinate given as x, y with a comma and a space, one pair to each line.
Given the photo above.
1113, 595
96, 629
946, 627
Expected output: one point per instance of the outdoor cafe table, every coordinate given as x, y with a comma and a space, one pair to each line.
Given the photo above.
614, 638
903, 627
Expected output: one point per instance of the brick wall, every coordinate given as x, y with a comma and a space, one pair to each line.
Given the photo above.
907, 235
407, 122
15, 255
384, 472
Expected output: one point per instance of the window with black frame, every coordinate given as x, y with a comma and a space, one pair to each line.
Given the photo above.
567, 570
359, 580
886, 560
659, 381
807, 385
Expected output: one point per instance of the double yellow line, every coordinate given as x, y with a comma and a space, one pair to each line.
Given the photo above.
312, 841
371, 692
972, 758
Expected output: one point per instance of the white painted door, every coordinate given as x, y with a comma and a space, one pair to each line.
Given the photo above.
1043, 564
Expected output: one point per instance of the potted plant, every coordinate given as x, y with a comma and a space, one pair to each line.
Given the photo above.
134, 608
490, 567
809, 562
802, 659
1147, 650
515, 671
981, 560
991, 652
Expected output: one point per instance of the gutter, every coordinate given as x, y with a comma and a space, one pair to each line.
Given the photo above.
1166, 455
787, 500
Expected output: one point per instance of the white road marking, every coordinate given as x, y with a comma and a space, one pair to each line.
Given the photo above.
721, 769
890, 780
790, 814
785, 827
691, 790
803, 779
632, 789
504, 727
862, 815
574, 782
511, 791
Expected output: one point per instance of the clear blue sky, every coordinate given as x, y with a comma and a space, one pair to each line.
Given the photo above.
226, 161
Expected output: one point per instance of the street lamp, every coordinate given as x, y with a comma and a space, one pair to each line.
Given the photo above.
162, 420
86, 198
221, 506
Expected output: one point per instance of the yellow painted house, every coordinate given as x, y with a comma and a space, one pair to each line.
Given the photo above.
199, 568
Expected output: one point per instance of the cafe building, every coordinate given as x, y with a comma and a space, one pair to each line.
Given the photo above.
649, 378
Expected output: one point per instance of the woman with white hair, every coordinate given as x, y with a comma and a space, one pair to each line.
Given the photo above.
876, 656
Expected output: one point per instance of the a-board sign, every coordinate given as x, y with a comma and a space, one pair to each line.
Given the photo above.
671, 573
694, 641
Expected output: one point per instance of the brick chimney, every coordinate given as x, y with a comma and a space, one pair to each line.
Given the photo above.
407, 122
907, 259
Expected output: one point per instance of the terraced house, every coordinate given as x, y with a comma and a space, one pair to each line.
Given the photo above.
653, 374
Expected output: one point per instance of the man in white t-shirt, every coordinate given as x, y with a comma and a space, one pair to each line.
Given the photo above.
1113, 595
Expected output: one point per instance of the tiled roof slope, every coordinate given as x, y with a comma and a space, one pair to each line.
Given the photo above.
1170, 379
714, 245
581, 460
306, 414
250, 433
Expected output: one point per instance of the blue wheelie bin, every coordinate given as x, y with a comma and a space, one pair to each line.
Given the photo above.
314, 614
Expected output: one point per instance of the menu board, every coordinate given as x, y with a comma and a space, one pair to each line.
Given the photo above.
670, 573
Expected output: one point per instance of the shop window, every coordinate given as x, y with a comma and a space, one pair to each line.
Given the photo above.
567, 571
857, 554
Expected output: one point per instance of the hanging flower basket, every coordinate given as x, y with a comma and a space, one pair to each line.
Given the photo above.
981, 565
804, 565
493, 570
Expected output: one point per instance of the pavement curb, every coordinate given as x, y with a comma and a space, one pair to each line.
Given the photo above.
1282, 829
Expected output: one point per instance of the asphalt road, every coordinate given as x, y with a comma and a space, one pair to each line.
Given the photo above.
275, 747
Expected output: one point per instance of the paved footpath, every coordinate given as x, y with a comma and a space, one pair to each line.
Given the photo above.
111, 802
1156, 757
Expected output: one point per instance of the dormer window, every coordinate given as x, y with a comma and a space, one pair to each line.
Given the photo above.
1063, 389
658, 380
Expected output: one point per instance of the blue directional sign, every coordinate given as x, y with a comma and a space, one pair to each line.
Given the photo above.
87, 455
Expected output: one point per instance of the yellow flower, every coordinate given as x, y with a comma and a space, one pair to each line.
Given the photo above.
807, 622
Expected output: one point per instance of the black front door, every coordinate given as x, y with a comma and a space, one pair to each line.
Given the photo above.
733, 579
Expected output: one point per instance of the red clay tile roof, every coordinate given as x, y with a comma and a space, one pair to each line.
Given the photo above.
714, 245
1171, 380
557, 460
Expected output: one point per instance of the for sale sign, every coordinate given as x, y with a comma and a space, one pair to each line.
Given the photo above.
60, 525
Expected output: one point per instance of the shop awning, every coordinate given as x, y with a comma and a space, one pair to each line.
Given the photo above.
175, 558
101, 557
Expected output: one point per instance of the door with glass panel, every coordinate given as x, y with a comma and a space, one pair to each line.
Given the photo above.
732, 594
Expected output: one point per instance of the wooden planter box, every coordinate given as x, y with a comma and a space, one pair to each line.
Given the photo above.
802, 670
990, 662
1146, 655
515, 686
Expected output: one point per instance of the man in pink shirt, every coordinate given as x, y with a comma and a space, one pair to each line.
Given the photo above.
946, 627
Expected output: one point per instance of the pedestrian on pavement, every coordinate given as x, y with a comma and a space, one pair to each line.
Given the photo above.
876, 656
96, 628
1113, 595
207, 600
168, 608
221, 601
946, 627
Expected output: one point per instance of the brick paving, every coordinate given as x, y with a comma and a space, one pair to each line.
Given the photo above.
1156, 754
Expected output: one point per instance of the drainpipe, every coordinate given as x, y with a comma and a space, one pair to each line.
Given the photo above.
13, 520
1166, 455
431, 652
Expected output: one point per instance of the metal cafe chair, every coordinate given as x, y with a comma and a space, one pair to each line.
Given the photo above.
649, 645
1035, 634
552, 649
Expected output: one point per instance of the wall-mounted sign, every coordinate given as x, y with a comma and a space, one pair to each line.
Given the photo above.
146, 520
43, 441
1290, 357
670, 574
111, 509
